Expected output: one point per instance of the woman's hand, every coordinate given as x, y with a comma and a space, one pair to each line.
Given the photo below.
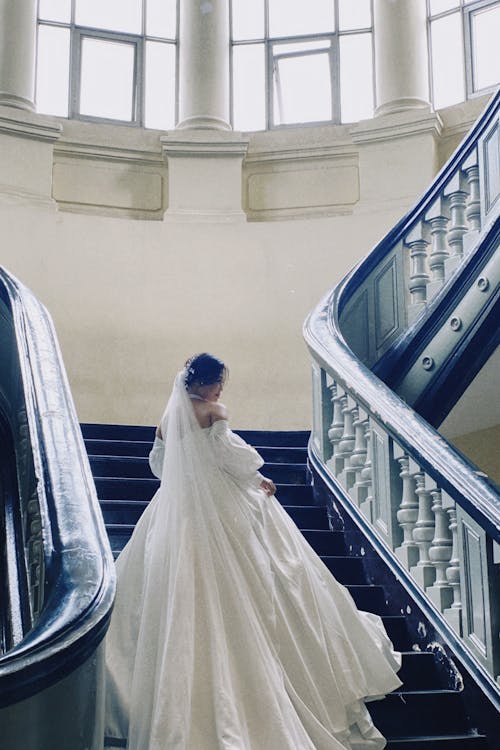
268, 486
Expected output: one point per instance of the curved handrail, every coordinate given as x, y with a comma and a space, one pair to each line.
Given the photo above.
425, 491
360, 272
79, 573
327, 345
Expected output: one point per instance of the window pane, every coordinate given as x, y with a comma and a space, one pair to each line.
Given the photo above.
52, 79
356, 15
248, 19
302, 89
287, 18
159, 100
161, 18
485, 39
249, 87
55, 10
438, 6
282, 49
107, 79
356, 77
118, 15
447, 61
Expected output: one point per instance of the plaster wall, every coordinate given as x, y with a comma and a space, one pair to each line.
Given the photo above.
132, 294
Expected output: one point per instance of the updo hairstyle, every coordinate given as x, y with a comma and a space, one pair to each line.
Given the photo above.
204, 369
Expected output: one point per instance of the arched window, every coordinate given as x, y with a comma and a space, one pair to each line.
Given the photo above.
463, 44
301, 62
108, 61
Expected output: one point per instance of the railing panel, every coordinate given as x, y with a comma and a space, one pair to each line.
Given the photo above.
445, 552
53, 530
411, 268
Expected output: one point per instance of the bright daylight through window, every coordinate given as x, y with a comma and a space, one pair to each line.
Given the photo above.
113, 60
291, 62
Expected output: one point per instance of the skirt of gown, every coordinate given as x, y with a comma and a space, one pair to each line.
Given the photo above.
249, 642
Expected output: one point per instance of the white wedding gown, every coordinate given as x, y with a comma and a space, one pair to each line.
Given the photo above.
228, 632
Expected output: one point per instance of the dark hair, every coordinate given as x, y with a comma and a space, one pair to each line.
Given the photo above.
205, 370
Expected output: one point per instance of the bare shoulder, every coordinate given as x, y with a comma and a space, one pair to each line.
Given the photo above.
218, 411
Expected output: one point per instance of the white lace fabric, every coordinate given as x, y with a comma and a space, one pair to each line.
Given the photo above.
228, 632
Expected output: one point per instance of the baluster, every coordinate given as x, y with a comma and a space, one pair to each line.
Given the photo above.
454, 613
441, 593
438, 218
473, 211
407, 514
423, 533
358, 458
418, 243
346, 444
366, 475
456, 193
337, 426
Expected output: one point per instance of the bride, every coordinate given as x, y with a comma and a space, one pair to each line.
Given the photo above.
228, 632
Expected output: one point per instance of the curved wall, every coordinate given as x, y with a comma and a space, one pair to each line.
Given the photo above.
146, 248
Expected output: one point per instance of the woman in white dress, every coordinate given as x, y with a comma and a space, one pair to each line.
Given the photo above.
228, 632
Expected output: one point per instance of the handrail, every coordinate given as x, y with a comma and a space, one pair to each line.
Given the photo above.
426, 247
427, 508
77, 586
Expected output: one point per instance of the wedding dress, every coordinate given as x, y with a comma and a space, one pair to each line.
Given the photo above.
228, 632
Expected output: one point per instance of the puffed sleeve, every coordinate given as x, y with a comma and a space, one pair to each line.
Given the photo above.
156, 456
234, 456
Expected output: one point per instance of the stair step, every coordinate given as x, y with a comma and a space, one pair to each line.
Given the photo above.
346, 569
138, 468
397, 630
369, 598
431, 712
129, 512
447, 742
113, 488
325, 542
419, 671
141, 449
123, 432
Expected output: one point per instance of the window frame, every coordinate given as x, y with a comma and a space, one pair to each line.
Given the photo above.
466, 10
334, 57
78, 33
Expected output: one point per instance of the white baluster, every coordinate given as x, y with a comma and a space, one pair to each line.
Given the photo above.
473, 211
337, 426
407, 514
424, 571
346, 445
366, 476
358, 458
417, 241
438, 217
454, 613
456, 192
441, 593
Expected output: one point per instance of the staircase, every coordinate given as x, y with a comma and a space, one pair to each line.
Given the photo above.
428, 712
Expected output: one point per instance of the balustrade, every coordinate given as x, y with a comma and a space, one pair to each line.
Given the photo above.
432, 517
427, 540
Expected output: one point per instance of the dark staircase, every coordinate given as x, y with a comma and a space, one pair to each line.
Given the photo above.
424, 714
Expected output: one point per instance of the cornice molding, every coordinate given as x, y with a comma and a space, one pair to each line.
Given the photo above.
30, 126
393, 127
204, 143
344, 151
95, 151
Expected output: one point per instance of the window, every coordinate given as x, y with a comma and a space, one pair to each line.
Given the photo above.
108, 61
463, 41
307, 62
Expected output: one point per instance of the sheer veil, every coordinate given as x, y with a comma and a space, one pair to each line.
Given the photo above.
185, 593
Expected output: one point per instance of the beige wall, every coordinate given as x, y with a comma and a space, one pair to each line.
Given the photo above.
132, 293
483, 449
